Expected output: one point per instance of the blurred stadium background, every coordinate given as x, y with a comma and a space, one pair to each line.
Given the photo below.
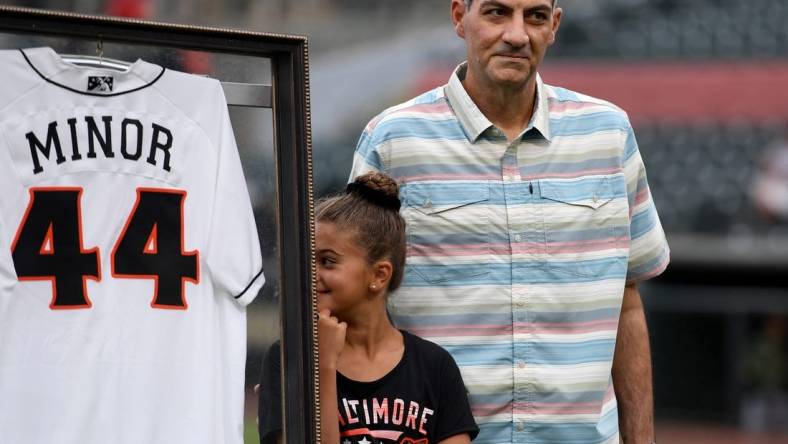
705, 83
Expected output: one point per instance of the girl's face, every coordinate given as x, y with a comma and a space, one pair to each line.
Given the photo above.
343, 274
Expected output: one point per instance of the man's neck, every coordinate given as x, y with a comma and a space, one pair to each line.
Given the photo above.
509, 109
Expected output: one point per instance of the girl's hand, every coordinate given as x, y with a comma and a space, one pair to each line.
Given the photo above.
331, 339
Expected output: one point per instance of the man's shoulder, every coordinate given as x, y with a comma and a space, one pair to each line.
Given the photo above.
430, 105
565, 102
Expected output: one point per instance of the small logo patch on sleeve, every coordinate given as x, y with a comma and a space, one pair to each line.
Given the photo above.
100, 83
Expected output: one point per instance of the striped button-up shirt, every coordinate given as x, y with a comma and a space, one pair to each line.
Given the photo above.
518, 252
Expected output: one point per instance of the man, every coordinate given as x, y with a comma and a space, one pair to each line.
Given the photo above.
530, 223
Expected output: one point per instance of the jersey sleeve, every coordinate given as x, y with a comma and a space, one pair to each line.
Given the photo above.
269, 405
649, 253
234, 257
454, 415
7, 272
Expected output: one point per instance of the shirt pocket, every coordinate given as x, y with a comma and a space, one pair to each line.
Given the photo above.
447, 232
584, 223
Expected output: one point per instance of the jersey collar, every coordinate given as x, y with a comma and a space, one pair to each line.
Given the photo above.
52, 68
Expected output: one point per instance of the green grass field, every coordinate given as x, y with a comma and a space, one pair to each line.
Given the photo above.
250, 432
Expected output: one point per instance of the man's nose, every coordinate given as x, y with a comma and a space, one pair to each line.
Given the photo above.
516, 34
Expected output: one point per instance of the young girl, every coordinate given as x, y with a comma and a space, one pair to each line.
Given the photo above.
377, 384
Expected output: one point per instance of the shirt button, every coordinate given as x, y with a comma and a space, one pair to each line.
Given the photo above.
427, 203
520, 303
517, 238
521, 364
520, 427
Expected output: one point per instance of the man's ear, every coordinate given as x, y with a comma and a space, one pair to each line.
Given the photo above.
457, 14
557, 14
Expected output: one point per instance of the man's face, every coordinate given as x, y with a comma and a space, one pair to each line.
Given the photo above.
506, 40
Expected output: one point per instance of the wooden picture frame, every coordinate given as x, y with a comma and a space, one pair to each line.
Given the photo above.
288, 98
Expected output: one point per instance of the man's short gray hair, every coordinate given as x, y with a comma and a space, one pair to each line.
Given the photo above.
468, 3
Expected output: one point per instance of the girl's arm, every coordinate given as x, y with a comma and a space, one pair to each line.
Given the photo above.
329, 411
331, 340
455, 418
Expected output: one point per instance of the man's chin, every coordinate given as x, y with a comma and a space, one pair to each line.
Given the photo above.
511, 75
511, 80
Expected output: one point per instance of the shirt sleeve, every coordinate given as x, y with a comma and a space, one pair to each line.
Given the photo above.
366, 158
7, 184
269, 406
649, 253
454, 415
234, 257
7, 271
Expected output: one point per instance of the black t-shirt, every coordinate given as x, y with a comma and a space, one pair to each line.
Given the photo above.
421, 401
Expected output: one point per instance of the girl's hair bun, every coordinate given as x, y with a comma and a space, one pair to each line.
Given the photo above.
376, 188
369, 208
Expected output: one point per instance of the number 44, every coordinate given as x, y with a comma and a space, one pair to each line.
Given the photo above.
48, 246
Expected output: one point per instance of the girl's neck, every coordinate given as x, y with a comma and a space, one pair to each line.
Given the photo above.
370, 333
373, 347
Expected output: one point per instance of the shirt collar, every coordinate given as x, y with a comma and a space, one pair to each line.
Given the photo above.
50, 66
474, 123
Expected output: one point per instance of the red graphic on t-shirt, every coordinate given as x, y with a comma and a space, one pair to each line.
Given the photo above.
413, 441
380, 418
391, 435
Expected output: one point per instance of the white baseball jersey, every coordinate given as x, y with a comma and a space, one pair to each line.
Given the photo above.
7, 273
135, 251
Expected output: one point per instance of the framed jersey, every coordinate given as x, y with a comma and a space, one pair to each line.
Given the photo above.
156, 229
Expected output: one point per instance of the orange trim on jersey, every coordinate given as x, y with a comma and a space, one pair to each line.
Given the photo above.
155, 278
48, 241
82, 250
153, 241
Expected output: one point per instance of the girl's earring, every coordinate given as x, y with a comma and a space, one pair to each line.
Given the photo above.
373, 287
